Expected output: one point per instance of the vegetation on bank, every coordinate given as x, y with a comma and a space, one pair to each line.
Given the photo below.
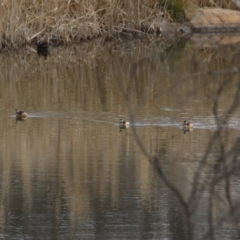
64, 21
71, 20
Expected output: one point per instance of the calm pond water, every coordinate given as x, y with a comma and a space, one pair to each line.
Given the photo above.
68, 172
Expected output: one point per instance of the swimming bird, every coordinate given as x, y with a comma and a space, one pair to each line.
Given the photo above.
187, 125
20, 114
123, 124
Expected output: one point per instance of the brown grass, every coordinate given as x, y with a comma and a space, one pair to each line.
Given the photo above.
67, 20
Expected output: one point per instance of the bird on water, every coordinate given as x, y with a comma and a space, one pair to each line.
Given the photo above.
187, 124
123, 123
21, 114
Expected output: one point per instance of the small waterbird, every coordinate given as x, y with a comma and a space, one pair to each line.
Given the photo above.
20, 114
187, 125
123, 124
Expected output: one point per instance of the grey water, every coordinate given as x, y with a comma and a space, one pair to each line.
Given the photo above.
68, 172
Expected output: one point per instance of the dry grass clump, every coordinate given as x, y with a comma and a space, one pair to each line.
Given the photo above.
67, 20
64, 21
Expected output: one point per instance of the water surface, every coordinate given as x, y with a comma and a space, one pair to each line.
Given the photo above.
68, 172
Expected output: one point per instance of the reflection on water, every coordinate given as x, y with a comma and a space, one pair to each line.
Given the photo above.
68, 172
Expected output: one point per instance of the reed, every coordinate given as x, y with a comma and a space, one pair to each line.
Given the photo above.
65, 21
71, 20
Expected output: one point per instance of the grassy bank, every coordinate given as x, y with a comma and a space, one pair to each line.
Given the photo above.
64, 21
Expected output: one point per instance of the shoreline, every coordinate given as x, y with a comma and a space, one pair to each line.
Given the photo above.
57, 23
